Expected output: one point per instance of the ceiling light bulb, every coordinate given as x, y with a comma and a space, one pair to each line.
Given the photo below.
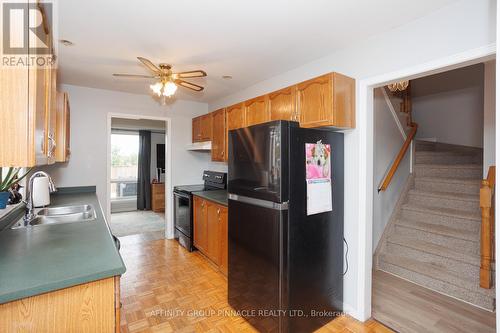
169, 89
157, 88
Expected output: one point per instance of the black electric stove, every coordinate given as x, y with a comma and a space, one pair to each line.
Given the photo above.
183, 205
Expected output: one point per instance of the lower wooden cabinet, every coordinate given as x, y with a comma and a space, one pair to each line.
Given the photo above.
158, 197
223, 245
210, 231
88, 307
200, 237
213, 212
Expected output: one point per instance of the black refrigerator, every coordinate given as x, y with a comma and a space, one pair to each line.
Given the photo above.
285, 257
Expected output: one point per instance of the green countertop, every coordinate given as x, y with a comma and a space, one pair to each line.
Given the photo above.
45, 258
217, 196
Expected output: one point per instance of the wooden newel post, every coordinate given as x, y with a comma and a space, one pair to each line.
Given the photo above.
486, 235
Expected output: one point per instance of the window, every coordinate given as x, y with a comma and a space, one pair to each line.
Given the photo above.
124, 161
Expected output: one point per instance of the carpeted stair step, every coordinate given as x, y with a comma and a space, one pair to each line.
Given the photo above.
451, 157
421, 146
441, 216
453, 238
438, 278
467, 171
466, 265
464, 185
459, 201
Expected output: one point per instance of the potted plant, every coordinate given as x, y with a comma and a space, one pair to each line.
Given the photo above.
12, 177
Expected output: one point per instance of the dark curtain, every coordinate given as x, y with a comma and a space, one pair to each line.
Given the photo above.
144, 171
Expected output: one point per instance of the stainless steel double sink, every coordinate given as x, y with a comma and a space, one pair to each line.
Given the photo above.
62, 214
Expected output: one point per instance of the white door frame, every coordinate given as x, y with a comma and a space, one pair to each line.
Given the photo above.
169, 225
366, 138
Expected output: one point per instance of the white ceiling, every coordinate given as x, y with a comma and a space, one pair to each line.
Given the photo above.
252, 40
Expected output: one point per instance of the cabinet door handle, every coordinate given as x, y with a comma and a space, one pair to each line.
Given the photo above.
218, 211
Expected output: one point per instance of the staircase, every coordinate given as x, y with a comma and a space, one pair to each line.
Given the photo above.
433, 238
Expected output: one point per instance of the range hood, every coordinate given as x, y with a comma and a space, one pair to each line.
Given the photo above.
200, 146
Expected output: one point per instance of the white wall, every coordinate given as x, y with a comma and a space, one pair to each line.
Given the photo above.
448, 106
489, 116
387, 143
89, 112
463, 26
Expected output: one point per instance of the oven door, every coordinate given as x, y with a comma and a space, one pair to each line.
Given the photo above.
182, 213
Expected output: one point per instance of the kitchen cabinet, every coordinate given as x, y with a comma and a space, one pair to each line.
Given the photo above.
282, 104
88, 307
223, 241
236, 117
200, 227
62, 132
327, 100
206, 127
196, 133
210, 231
158, 197
202, 128
257, 111
219, 135
27, 95
213, 212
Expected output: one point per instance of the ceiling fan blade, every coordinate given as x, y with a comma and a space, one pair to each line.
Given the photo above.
189, 85
152, 67
135, 76
187, 75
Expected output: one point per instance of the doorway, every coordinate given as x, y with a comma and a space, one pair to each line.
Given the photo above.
137, 177
426, 214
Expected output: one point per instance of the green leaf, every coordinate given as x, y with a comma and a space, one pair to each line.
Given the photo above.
12, 179
5, 181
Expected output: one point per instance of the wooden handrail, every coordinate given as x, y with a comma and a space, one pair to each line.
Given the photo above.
487, 204
399, 158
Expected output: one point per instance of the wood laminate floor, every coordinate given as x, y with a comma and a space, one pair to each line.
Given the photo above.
407, 307
167, 289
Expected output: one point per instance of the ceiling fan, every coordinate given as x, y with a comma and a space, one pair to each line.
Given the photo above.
167, 79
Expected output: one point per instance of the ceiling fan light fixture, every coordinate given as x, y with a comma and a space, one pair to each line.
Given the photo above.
157, 87
169, 88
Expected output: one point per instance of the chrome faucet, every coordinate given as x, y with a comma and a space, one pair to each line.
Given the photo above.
30, 215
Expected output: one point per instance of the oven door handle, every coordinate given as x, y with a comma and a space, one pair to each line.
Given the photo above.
182, 195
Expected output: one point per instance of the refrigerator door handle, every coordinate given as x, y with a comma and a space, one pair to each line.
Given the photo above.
259, 202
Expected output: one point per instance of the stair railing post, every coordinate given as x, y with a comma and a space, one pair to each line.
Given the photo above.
486, 200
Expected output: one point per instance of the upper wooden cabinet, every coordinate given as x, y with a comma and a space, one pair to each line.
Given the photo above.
202, 128
283, 104
236, 117
327, 100
27, 111
63, 150
257, 111
219, 135
206, 127
196, 133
